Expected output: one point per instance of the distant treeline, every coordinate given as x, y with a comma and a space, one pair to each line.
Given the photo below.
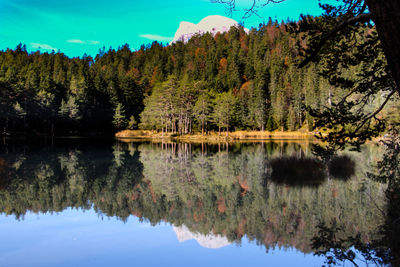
229, 81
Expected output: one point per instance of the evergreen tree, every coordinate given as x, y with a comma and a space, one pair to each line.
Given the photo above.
132, 124
202, 111
169, 89
224, 110
119, 117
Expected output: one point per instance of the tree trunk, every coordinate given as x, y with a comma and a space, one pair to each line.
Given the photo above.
386, 16
330, 97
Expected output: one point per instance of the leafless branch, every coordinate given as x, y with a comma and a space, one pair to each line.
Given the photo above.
373, 115
248, 12
340, 26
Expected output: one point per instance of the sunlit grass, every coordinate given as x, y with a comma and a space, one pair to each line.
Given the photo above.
236, 135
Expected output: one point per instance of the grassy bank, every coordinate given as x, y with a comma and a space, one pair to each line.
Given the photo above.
214, 136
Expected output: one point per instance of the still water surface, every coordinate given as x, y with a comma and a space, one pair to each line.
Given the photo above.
165, 204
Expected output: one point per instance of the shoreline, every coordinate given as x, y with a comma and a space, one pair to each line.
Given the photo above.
214, 136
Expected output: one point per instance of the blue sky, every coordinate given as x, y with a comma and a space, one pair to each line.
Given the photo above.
84, 26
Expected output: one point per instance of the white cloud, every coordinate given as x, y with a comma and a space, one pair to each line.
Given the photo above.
79, 41
156, 37
42, 46
76, 41
93, 42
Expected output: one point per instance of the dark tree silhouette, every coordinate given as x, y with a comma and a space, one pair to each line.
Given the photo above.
340, 23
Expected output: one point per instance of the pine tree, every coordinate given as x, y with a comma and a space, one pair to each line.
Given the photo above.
132, 124
202, 111
119, 117
224, 110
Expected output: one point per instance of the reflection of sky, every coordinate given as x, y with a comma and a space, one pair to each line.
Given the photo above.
77, 238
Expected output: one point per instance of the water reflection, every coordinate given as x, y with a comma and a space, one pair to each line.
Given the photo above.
208, 241
275, 194
298, 171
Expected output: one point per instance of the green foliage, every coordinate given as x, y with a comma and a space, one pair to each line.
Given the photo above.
173, 89
271, 125
19, 111
202, 110
224, 110
70, 110
132, 124
345, 43
119, 121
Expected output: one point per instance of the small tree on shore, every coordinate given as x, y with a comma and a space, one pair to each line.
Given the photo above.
119, 117
132, 124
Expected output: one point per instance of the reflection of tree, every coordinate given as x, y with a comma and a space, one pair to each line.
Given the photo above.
337, 250
298, 171
389, 171
221, 189
384, 248
341, 167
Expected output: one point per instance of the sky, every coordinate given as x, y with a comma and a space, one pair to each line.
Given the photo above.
76, 27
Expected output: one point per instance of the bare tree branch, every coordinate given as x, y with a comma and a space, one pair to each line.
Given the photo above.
248, 12
368, 118
352, 20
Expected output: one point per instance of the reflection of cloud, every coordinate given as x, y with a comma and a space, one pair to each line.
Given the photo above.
156, 37
42, 46
207, 241
79, 41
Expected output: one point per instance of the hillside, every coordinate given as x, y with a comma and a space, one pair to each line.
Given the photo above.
224, 81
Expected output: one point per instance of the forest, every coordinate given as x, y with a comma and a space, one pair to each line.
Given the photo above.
230, 81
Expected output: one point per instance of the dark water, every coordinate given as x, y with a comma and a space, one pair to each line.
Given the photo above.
81, 203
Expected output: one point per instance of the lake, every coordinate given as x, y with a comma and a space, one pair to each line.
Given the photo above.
73, 202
